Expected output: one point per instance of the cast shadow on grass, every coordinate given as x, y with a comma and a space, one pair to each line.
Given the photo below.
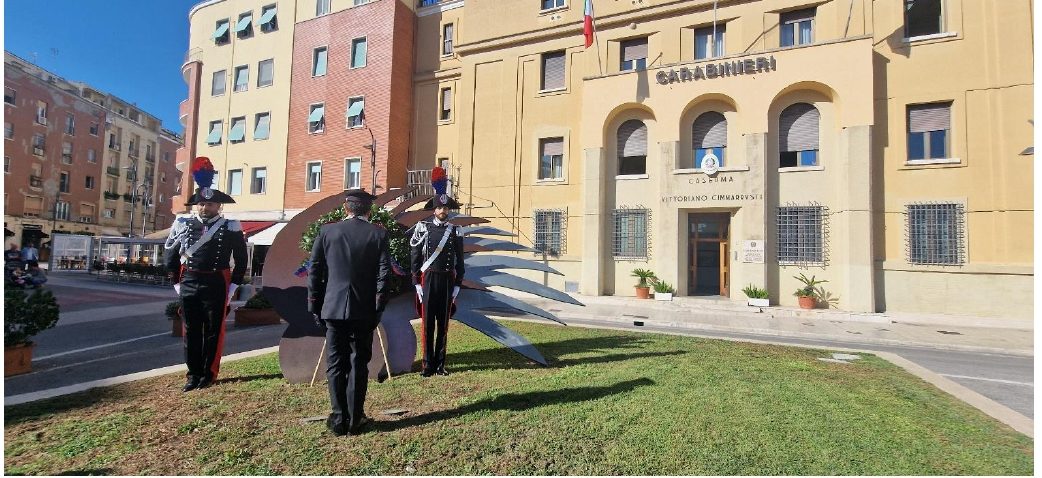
517, 402
75, 472
247, 378
25, 412
558, 354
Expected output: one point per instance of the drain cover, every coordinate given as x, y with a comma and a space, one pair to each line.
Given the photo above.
948, 332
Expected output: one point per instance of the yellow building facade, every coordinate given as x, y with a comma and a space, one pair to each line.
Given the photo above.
876, 145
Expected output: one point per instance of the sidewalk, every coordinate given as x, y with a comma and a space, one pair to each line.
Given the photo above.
1006, 336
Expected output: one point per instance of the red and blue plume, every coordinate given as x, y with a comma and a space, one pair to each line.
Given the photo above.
202, 172
439, 180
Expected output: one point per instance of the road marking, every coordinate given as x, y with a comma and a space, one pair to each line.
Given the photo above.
1011, 382
85, 349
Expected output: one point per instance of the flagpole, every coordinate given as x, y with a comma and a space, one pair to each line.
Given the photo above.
593, 24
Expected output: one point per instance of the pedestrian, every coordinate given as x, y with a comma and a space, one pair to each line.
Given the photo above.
437, 274
197, 256
30, 255
347, 284
12, 253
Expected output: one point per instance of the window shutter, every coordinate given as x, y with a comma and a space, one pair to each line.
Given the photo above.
633, 139
553, 147
553, 70
709, 131
799, 128
446, 99
634, 49
931, 117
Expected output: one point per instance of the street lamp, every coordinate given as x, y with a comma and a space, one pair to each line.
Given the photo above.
372, 149
146, 192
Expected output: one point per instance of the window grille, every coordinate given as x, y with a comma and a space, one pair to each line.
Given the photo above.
936, 234
802, 232
630, 238
550, 227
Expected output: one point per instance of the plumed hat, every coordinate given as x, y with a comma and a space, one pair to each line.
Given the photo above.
202, 173
439, 180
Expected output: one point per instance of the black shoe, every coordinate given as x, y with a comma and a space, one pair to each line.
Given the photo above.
426, 373
337, 429
205, 382
442, 372
381, 377
191, 384
360, 427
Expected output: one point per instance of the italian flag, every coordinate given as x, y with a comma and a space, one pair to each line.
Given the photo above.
588, 23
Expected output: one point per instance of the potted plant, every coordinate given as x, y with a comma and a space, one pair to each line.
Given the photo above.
173, 313
757, 297
663, 290
25, 315
643, 276
256, 311
808, 294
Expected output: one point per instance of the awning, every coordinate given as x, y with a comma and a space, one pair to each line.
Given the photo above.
267, 236
238, 131
250, 228
221, 30
356, 108
267, 16
317, 115
244, 23
108, 231
215, 134
8, 232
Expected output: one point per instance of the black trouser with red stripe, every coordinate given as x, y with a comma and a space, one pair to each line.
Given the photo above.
435, 313
204, 298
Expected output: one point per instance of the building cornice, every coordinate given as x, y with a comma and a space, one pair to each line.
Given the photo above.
440, 7
200, 6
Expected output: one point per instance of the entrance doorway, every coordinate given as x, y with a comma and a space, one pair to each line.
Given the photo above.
708, 259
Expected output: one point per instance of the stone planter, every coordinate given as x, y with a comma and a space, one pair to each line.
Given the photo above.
643, 292
664, 296
244, 316
808, 302
18, 359
759, 302
177, 328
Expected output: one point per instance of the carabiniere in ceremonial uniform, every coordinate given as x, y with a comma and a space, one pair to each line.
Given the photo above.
198, 251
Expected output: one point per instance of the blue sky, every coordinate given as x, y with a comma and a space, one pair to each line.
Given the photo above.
130, 48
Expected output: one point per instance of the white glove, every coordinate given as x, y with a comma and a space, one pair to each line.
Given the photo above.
419, 291
455, 292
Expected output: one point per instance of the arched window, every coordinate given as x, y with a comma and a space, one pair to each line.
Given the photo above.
633, 147
798, 137
709, 135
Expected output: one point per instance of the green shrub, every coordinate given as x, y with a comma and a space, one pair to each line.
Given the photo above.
663, 287
258, 301
27, 315
173, 309
398, 243
810, 286
754, 292
643, 276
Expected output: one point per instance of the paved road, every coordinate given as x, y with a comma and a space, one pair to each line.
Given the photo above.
107, 330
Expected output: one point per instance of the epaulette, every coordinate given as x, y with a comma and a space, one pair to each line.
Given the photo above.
233, 225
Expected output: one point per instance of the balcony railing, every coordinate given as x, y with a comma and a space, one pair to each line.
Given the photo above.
113, 170
132, 152
421, 178
115, 146
35, 181
150, 158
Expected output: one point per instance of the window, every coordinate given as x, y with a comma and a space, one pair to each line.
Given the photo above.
8, 130
7, 164
353, 173
63, 182
258, 182
216, 178
936, 233
801, 234
355, 112
928, 127
632, 147
797, 27
162, 178
235, 182
798, 138
38, 144
551, 158
242, 78
548, 236
237, 133
244, 29
314, 176
630, 238
553, 71
166, 156
216, 131
92, 156
634, 54
61, 211
66, 152
923, 17
93, 129
221, 35
70, 124
268, 21
41, 112
321, 7
88, 182
265, 73
217, 86
446, 104
548, 4
318, 63
709, 135
446, 39
317, 118
708, 45
9, 96
359, 47
261, 125
108, 213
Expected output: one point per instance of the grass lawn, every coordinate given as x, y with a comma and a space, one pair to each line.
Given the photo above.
610, 403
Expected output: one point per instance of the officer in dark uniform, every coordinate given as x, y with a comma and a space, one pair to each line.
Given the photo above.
347, 284
197, 255
437, 273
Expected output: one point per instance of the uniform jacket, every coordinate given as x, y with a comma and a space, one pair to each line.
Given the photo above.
350, 264
449, 260
227, 243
